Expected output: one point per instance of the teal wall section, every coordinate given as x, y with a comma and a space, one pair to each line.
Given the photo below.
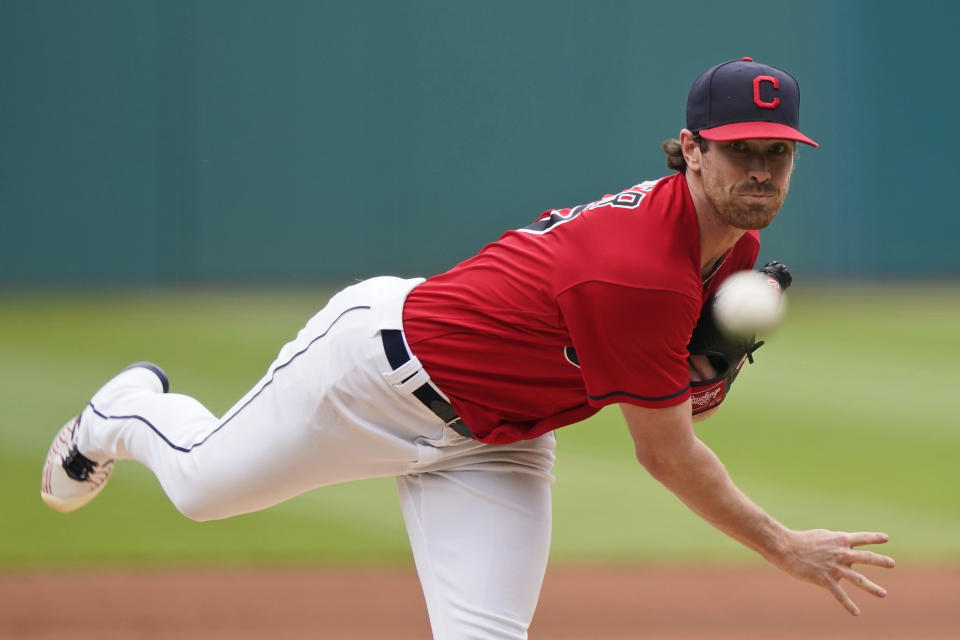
218, 140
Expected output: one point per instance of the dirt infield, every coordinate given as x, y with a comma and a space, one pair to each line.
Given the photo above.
582, 604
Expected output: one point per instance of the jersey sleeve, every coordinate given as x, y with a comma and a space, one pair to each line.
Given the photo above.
631, 343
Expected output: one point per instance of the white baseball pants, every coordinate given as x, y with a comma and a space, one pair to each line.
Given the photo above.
330, 409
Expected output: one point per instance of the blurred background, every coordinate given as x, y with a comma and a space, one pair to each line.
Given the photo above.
211, 141
186, 182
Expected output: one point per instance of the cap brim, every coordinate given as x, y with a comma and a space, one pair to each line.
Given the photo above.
747, 130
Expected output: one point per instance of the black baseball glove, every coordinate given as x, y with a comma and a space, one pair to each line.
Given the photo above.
725, 353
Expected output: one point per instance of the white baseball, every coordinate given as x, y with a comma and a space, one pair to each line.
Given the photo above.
749, 302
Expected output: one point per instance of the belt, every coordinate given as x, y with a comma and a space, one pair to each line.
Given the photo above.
397, 355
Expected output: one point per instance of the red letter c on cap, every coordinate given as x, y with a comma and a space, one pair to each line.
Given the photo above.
757, 100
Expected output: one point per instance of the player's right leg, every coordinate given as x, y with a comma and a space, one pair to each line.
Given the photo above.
70, 479
323, 413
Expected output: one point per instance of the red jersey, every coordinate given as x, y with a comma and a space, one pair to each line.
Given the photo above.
585, 307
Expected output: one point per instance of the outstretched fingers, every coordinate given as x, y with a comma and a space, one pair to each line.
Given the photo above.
863, 582
842, 597
869, 557
867, 537
860, 556
827, 557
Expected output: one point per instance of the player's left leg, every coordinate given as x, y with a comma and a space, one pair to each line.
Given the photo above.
479, 525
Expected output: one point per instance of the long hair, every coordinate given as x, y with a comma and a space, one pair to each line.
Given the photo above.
674, 152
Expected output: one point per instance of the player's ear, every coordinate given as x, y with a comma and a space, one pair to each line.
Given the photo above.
690, 145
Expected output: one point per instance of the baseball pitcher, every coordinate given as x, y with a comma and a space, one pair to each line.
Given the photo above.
454, 385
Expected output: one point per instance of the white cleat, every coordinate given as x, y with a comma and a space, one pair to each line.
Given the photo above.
70, 479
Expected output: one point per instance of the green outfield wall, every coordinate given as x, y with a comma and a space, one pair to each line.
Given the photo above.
171, 141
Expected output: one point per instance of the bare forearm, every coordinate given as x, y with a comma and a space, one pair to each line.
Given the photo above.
700, 480
823, 557
671, 452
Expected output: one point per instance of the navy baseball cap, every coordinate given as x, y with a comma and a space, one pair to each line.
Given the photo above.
742, 99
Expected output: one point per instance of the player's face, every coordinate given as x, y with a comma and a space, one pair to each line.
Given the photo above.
747, 181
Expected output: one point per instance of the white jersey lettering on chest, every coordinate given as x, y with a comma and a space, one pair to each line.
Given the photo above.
628, 199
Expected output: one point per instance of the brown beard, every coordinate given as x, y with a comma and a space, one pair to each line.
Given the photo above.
749, 216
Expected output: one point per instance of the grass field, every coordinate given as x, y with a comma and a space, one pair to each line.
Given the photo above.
846, 421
